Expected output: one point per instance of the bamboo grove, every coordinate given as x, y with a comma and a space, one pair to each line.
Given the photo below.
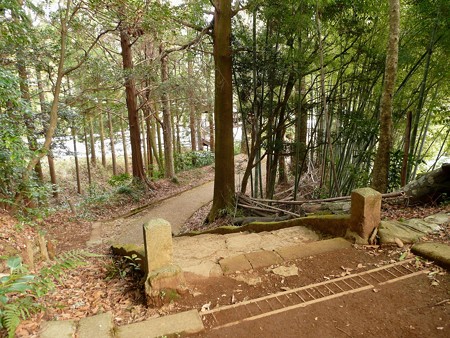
137, 78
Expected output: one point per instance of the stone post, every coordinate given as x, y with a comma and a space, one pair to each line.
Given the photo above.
164, 279
365, 211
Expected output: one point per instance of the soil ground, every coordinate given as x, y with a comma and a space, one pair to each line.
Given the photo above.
415, 307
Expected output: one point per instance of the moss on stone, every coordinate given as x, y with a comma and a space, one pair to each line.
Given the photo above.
334, 224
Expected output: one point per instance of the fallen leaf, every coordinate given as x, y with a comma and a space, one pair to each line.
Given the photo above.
205, 307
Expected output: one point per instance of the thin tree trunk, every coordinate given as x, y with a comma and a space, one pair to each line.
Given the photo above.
144, 142
112, 142
416, 118
169, 169
124, 143
192, 124
75, 154
381, 164
156, 144
198, 127
28, 118
149, 141
160, 147
51, 162
102, 137
86, 146
327, 118
92, 142
404, 172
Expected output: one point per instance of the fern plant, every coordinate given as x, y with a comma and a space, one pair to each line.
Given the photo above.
20, 290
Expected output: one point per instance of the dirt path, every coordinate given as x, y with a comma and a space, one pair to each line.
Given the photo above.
416, 306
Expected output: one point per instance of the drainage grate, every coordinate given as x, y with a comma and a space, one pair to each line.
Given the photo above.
301, 297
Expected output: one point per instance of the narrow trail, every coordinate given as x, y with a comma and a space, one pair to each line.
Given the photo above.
176, 210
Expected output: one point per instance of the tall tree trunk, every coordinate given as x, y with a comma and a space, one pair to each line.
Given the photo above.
144, 142
192, 124
133, 117
327, 118
86, 147
149, 140
28, 118
156, 145
223, 110
160, 146
404, 173
102, 137
416, 118
112, 142
25, 95
75, 154
198, 127
169, 169
51, 162
92, 142
124, 145
381, 164
53, 121
209, 101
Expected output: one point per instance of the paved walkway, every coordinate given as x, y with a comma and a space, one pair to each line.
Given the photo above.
176, 210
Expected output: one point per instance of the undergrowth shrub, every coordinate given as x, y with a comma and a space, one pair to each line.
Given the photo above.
193, 159
20, 290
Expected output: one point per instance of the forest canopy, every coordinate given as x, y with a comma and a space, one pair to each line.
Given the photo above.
136, 82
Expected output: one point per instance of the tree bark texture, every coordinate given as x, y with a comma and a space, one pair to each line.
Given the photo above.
112, 142
102, 136
192, 123
92, 142
223, 110
381, 164
133, 118
75, 154
429, 187
169, 169
407, 140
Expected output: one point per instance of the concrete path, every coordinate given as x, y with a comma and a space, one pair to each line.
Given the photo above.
176, 210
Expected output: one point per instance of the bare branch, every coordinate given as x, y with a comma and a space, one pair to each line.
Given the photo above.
190, 43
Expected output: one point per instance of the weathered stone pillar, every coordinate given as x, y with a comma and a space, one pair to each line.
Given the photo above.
164, 279
365, 211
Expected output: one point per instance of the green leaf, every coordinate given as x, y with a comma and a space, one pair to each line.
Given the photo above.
14, 262
403, 256
3, 299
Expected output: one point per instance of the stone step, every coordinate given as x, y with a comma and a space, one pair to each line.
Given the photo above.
58, 329
98, 326
102, 326
183, 322
438, 252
